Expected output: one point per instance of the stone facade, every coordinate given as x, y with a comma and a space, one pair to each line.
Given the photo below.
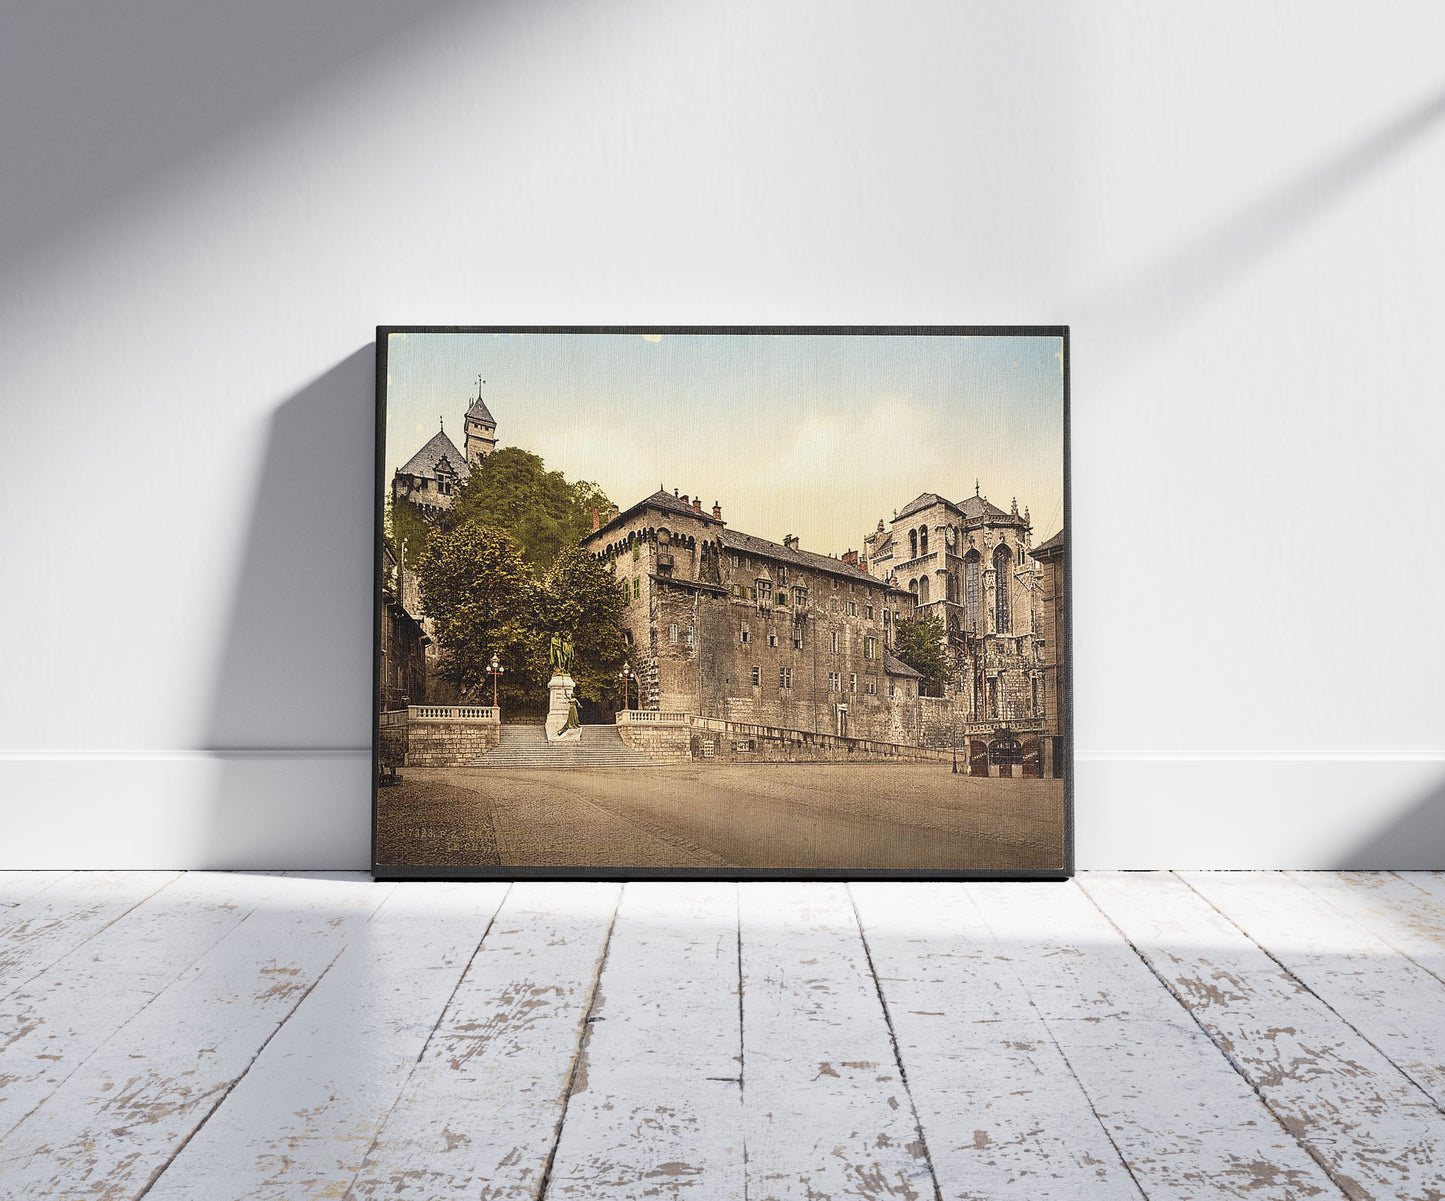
971, 565
449, 741
683, 737
1054, 630
727, 625
404, 642
433, 476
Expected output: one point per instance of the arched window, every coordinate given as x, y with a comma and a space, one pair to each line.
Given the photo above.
1002, 560
972, 592
913, 544
951, 583
923, 540
923, 590
913, 588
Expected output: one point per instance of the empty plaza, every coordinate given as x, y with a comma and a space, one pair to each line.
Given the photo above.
812, 816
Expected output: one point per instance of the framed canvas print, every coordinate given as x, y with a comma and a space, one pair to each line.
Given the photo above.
722, 602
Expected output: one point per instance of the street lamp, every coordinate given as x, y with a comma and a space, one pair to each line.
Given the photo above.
625, 675
496, 669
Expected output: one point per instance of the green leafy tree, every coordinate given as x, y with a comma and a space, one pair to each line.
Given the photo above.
408, 529
484, 601
580, 597
919, 643
512, 490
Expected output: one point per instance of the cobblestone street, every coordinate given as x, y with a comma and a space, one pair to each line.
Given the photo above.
754, 816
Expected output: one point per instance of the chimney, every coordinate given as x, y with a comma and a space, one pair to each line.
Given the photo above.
791, 541
596, 525
697, 504
716, 511
851, 556
612, 512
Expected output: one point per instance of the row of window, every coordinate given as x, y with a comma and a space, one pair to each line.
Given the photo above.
835, 682
870, 643
973, 590
740, 563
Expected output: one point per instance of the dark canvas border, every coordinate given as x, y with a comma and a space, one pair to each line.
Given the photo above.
381, 871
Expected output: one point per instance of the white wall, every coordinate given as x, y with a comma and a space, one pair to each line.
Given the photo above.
206, 208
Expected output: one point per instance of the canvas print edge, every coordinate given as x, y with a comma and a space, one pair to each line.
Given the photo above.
401, 871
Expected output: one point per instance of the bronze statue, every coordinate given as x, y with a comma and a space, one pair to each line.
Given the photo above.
574, 719
559, 654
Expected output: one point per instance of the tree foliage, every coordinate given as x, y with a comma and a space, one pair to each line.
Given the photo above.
502, 571
408, 529
484, 601
580, 597
512, 490
919, 643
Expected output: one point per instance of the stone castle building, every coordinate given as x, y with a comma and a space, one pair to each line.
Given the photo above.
731, 625
969, 565
725, 624
430, 479
436, 473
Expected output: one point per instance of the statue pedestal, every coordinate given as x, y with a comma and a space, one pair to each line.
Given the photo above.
561, 689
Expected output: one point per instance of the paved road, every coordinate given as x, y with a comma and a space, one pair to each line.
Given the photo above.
757, 815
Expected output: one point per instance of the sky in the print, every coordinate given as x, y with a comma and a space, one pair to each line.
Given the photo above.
818, 436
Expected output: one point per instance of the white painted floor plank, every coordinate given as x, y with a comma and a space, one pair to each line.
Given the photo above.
479, 1116
47, 925
1376, 1132
1185, 1122
827, 1113
192, 1036
1394, 1004
50, 1025
656, 1108
121, 1117
1403, 908
1002, 1114
300, 1123
16, 887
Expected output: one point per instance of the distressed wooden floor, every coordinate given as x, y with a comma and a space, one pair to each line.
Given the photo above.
1158, 1035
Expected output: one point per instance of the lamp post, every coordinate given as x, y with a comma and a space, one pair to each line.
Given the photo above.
625, 675
496, 669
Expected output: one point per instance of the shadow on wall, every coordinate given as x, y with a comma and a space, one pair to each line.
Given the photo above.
117, 96
1413, 842
1155, 300
289, 719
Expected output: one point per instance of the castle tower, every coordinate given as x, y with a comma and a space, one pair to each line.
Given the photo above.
481, 429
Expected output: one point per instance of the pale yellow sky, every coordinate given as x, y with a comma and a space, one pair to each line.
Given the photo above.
818, 436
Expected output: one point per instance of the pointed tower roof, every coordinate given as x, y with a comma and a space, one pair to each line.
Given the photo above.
479, 409
981, 506
424, 462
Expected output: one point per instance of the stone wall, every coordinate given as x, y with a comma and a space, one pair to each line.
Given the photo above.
661, 743
449, 743
693, 739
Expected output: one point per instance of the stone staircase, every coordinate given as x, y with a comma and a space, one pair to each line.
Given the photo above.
527, 746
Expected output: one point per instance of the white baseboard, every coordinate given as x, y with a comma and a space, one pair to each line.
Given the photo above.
312, 809
231, 809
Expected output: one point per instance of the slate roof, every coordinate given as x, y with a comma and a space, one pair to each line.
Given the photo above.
424, 462
480, 411
922, 502
971, 507
1054, 545
748, 544
981, 506
895, 666
661, 499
